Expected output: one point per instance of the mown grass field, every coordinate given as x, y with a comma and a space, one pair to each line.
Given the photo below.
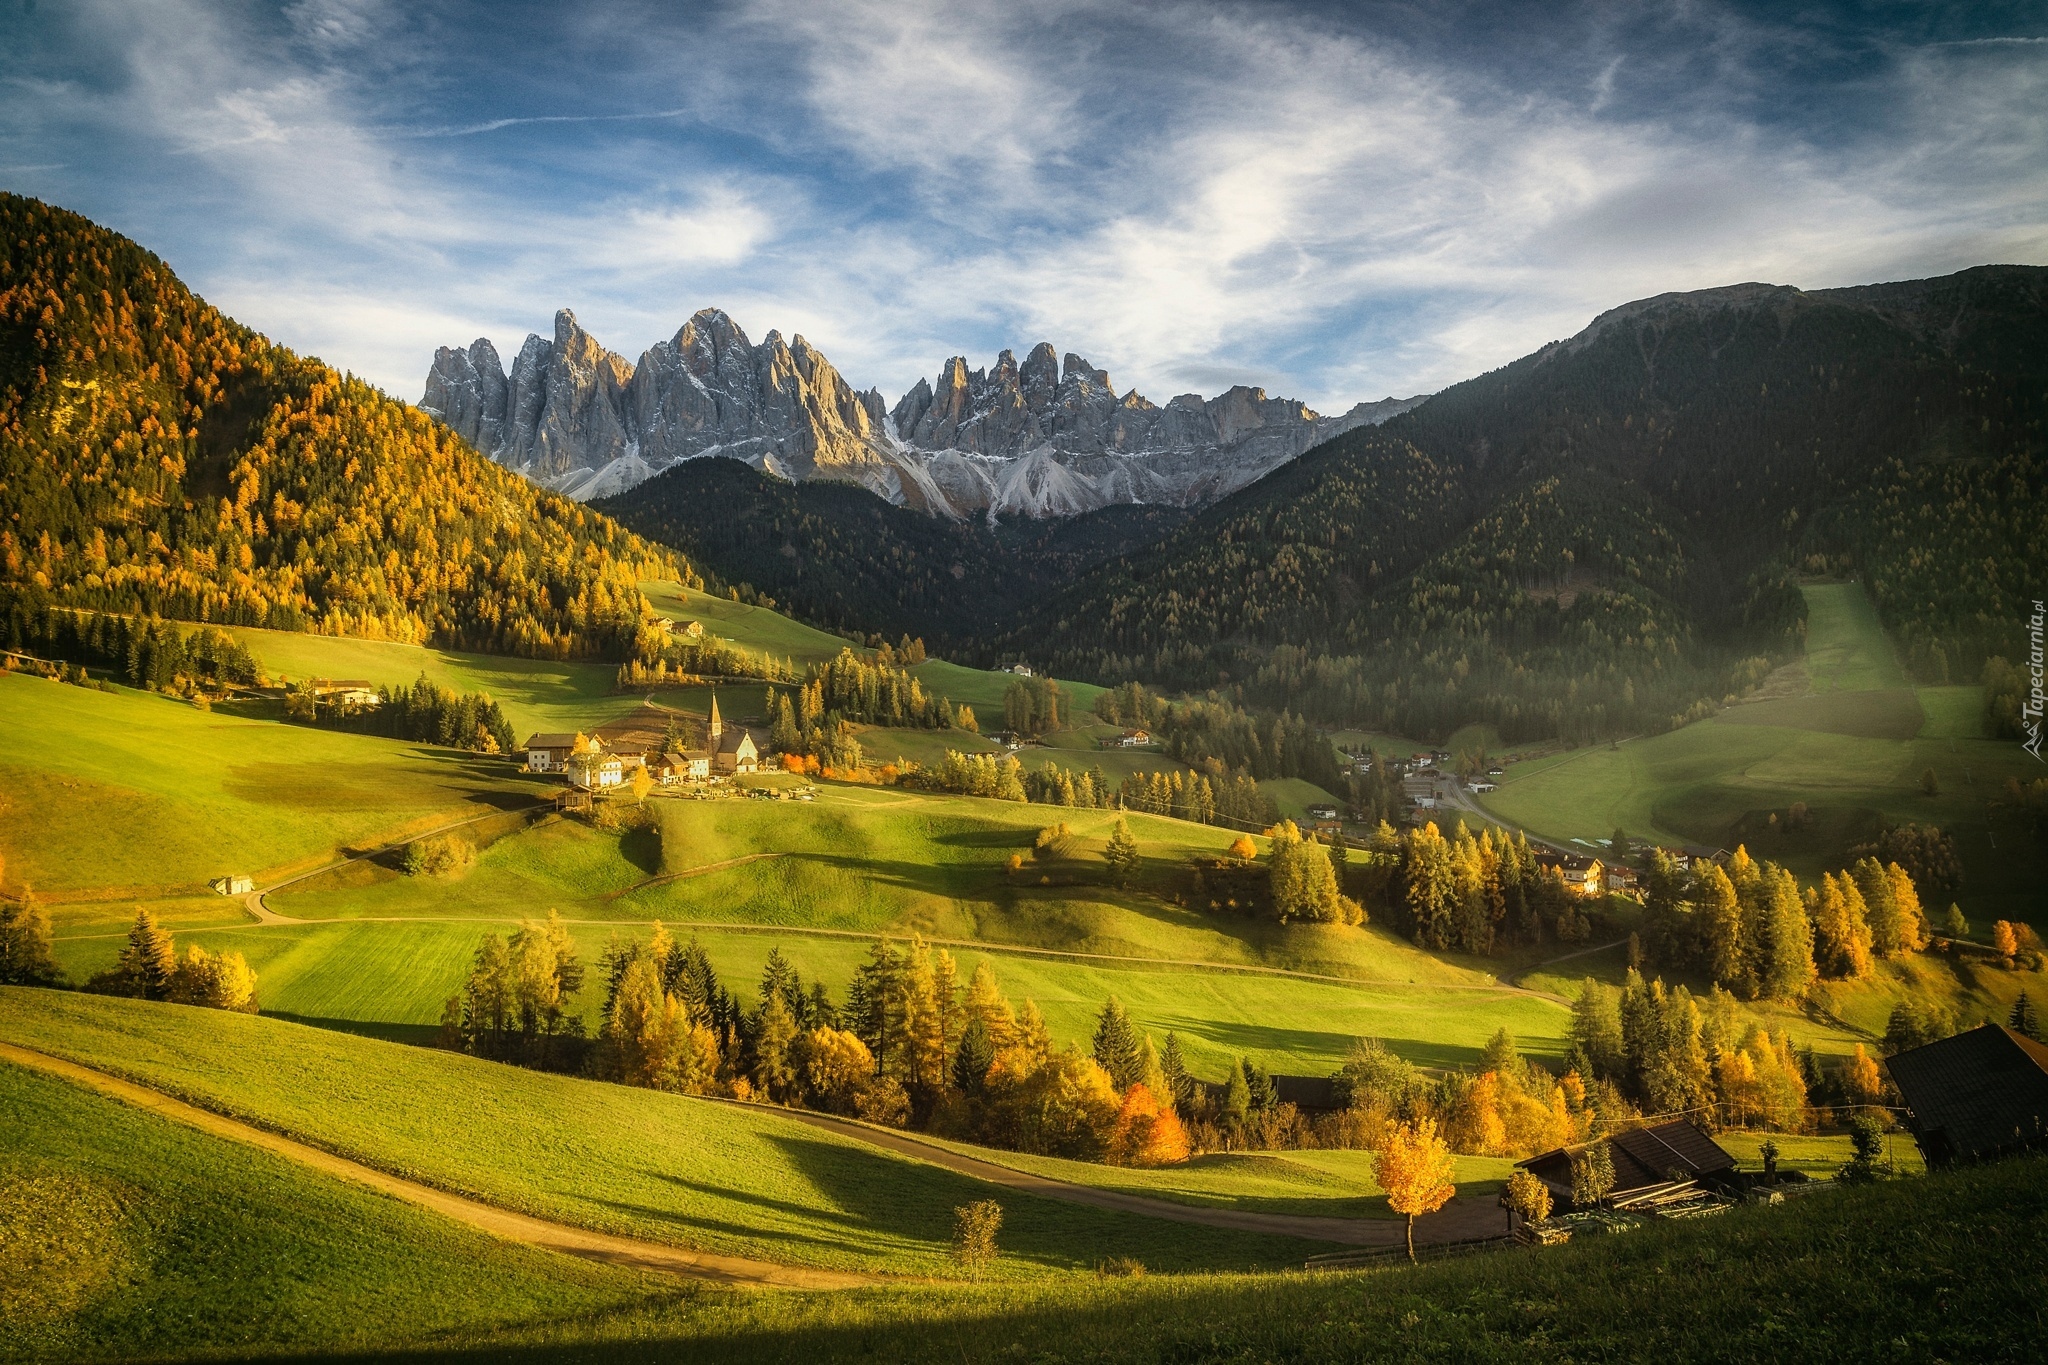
719, 1177
1853, 751
128, 789
123, 1234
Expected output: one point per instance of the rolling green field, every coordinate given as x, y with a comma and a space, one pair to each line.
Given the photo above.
1853, 751
128, 789
738, 1180
1829, 1277
115, 1223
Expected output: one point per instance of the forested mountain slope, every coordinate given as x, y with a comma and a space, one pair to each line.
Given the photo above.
839, 556
1601, 535
158, 457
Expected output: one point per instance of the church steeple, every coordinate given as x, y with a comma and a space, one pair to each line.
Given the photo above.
717, 726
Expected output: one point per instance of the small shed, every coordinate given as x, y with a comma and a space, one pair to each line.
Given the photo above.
1979, 1094
233, 886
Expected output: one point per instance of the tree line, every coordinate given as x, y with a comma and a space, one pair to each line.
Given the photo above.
144, 652
149, 966
426, 712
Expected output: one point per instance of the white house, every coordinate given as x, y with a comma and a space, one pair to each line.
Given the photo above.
595, 770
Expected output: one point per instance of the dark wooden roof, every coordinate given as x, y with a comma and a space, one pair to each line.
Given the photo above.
1311, 1094
1976, 1094
1642, 1157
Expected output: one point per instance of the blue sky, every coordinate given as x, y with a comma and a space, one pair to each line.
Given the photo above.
1335, 201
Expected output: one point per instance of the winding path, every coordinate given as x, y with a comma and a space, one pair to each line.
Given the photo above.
630, 1252
1463, 1218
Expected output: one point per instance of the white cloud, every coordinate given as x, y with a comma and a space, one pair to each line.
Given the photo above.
1185, 192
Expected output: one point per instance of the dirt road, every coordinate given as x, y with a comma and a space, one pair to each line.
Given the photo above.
515, 1227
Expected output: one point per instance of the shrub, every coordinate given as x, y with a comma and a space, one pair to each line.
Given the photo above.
442, 855
974, 1235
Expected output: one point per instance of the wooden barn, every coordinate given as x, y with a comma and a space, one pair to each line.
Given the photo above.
1979, 1094
1663, 1161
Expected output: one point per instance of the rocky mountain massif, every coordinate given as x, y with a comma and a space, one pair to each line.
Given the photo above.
1048, 438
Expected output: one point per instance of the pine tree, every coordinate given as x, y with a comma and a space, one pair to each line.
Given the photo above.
1173, 1069
971, 1062
149, 959
2023, 1018
1841, 932
1116, 1045
1121, 853
1954, 922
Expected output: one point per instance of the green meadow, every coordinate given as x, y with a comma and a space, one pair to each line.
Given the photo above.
1853, 749
733, 1179
131, 790
115, 1222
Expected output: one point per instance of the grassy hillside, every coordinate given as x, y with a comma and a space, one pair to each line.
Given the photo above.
160, 458
1852, 745
1825, 1278
674, 1169
115, 1224
129, 790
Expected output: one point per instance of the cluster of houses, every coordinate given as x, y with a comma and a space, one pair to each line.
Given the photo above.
610, 755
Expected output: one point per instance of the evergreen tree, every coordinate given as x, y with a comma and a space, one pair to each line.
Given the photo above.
1237, 1096
1596, 1030
976, 1054
1258, 1086
1122, 854
1180, 1086
149, 958
1116, 1045
1954, 922
986, 1005
2023, 1018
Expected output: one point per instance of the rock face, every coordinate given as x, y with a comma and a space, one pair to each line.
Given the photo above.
1047, 438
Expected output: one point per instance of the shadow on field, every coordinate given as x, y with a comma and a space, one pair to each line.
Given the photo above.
1250, 1038
415, 1035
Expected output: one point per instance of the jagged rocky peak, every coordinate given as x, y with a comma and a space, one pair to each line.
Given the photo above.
1050, 436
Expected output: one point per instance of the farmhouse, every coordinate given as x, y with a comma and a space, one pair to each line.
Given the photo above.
1580, 873
1021, 670
1133, 739
1324, 812
689, 630
1622, 880
344, 692
680, 765
595, 770
549, 753
1976, 1095
1650, 1164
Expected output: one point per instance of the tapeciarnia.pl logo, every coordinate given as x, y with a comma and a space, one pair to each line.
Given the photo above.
2037, 699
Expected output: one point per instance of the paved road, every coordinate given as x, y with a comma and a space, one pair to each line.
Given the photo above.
1462, 1218
254, 904
515, 1227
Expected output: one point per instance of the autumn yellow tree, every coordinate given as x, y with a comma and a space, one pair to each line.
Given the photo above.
1415, 1167
2005, 941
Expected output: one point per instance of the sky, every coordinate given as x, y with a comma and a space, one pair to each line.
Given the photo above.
1335, 202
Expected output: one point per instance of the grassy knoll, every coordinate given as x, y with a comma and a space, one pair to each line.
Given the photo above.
124, 1234
1853, 751
759, 629
126, 789
691, 1172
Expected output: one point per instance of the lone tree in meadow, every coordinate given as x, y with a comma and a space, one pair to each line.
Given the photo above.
2005, 941
1416, 1169
1121, 854
2023, 1019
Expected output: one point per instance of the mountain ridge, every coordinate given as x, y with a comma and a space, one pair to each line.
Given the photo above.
1046, 438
